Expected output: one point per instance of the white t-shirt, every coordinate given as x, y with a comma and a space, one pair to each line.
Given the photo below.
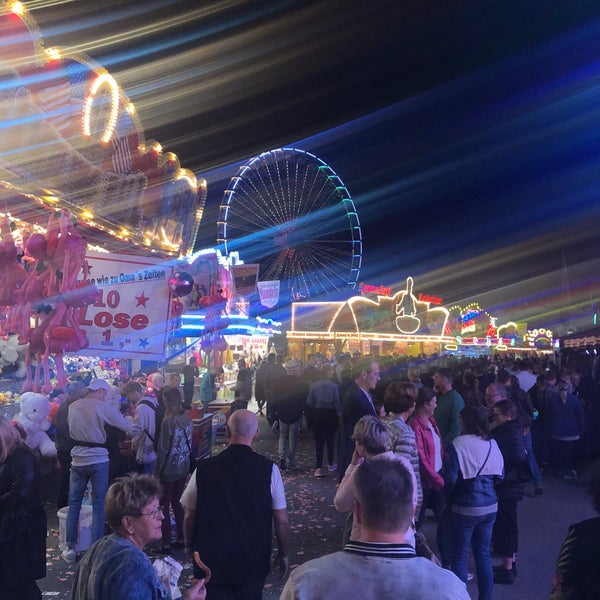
437, 444
190, 494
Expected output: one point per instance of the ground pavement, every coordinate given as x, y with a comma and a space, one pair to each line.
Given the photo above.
317, 527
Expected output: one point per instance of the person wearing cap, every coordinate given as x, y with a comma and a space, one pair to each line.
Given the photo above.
290, 401
86, 419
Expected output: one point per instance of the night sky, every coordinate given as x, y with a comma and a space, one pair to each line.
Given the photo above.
466, 132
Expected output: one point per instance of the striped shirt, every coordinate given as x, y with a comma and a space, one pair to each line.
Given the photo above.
380, 549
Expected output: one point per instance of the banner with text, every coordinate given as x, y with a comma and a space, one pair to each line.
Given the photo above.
268, 292
130, 319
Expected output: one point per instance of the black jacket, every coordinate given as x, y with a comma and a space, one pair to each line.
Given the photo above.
577, 574
510, 440
22, 520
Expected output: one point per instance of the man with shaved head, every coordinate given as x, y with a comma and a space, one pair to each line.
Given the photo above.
231, 503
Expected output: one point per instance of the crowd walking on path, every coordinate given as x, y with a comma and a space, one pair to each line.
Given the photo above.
463, 461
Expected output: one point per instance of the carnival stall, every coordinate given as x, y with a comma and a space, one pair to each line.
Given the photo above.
406, 323
95, 219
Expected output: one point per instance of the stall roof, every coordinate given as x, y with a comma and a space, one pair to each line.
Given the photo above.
589, 338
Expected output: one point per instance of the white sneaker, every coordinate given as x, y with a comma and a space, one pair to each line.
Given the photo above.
332, 468
69, 555
469, 576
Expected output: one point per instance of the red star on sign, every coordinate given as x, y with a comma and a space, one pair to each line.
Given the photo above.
141, 300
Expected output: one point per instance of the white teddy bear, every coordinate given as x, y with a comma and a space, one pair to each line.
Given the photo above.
33, 417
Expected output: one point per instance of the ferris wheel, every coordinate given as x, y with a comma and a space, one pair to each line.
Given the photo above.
289, 211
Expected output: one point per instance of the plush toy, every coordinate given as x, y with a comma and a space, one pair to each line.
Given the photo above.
33, 417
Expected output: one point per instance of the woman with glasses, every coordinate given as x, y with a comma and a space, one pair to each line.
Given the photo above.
116, 566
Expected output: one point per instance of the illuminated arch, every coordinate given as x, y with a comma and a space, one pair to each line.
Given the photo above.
102, 79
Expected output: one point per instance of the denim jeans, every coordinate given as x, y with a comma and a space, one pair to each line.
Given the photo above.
172, 491
475, 532
288, 440
98, 475
535, 470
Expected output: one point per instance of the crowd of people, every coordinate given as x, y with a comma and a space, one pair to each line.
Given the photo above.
472, 433
459, 439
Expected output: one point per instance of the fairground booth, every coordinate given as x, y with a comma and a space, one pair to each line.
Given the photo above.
381, 322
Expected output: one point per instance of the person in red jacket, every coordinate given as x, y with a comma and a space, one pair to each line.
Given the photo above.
429, 446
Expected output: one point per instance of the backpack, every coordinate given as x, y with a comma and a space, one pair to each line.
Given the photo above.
159, 415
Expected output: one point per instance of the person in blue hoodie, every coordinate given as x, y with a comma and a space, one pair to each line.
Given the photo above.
566, 427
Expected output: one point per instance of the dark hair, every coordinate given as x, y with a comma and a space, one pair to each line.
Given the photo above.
326, 370
503, 377
399, 396
127, 496
171, 397
384, 491
506, 407
424, 396
447, 373
475, 421
132, 386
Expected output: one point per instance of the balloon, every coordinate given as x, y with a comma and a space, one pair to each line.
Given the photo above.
36, 246
181, 283
63, 333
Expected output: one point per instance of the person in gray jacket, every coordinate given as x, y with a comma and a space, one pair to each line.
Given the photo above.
172, 466
399, 400
379, 565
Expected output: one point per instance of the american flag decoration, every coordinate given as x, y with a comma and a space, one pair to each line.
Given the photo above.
61, 98
123, 135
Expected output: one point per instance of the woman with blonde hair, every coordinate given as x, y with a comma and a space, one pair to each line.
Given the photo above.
22, 518
371, 442
116, 565
173, 463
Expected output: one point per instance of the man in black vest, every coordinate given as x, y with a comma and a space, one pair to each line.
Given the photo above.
231, 502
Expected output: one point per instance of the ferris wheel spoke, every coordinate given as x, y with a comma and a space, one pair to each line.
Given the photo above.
289, 211
325, 267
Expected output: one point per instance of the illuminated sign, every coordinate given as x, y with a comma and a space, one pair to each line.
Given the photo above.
540, 339
401, 316
365, 288
431, 299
